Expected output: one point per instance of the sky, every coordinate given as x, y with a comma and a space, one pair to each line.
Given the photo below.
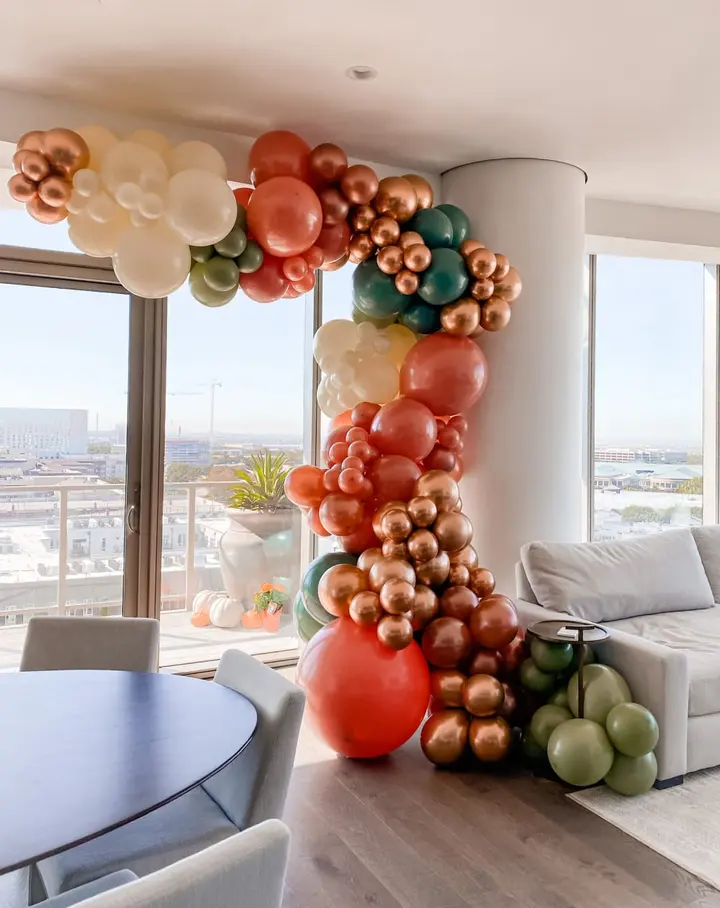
64, 348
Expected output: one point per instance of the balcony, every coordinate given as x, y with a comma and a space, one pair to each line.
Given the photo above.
62, 553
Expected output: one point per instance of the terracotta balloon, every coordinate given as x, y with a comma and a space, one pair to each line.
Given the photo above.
327, 163
365, 608
417, 257
423, 190
510, 703
396, 525
397, 597
494, 623
514, 654
446, 642
333, 242
31, 141
481, 263
368, 558
490, 739
341, 514
453, 531
395, 632
396, 197
362, 414
459, 575
21, 188
458, 602
440, 488
467, 556
337, 587
387, 569
435, 571
458, 470
468, 246
334, 205
66, 151
423, 545
362, 537
362, 218
495, 314
486, 662
410, 238
448, 374
304, 486
361, 247
425, 607
444, 736
335, 435
315, 524
422, 511
392, 549
279, 154
404, 427
449, 437
406, 282
385, 231
393, 477
461, 317
285, 216
502, 266
440, 459
483, 695
509, 287
44, 213
359, 184
482, 581
266, 284
446, 685
390, 259
482, 290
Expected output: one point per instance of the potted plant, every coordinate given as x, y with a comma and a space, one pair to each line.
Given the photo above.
267, 607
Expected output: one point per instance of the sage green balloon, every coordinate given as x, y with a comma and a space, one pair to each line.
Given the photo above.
251, 259
580, 752
232, 245
202, 253
434, 226
221, 274
203, 293
545, 720
559, 698
459, 220
535, 679
604, 689
632, 775
531, 748
632, 729
306, 625
445, 279
575, 662
551, 657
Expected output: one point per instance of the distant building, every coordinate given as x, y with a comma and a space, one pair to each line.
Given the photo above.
193, 451
647, 455
43, 433
670, 480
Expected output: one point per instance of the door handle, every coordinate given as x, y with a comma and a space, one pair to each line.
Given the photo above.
132, 514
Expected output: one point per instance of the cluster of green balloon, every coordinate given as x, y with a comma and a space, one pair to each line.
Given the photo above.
309, 614
216, 271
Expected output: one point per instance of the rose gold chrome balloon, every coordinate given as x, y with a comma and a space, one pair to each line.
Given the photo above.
510, 702
468, 246
482, 695
35, 166
417, 257
482, 581
486, 662
55, 191
397, 597
337, 587
425, 607
440, 487
490, 739
396, 525
390, 569
422, 511
359, 184
395, 631
407, 282
45, 213
392, 549
390, 259
335, 266
334, 205
509, 287
327, 162
362, 218
481, 263
368, 558
410, 238
444, 736
385, 231
396, 197
482, 289
423, 190
361, 247
365, 608
423, 545
21, 188
382, 511
446, 685
502, 267
461, 318
66, 150
453, 531
435, 571
31, 141
459, 575
458, 602
495, 314
467, 556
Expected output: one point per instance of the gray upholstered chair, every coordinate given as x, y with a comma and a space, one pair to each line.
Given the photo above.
114, 644
253, 788
244, 871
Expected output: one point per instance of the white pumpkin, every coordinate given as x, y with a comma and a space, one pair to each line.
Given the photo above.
226, 612
203, 600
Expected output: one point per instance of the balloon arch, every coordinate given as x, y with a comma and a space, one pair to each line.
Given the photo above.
404, 615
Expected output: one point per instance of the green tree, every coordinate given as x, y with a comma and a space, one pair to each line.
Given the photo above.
99, 448
183, 472
262, 485
692, 486
635, 513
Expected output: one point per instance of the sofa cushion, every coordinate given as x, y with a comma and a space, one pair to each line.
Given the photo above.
608, 581
707, 540
697, 634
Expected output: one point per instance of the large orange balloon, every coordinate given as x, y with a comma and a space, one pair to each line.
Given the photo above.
393, 477
404, 427
364, 699
266, 284
304, 486
342, 419
446, 373
279, 154
285, 216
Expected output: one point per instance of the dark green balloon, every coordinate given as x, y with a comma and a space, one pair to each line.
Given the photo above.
559, 698
434, 226
545, 720
580, 752
531, 748
604, 689
241, 217
535, 679
221, 274
232, 245
205, 294
446, 278
375, 293
359, 317
306, 625
551, 657
202, 253
575, 662
421, 318
251, 259
459, 220
632, 729
632, 775
311, 579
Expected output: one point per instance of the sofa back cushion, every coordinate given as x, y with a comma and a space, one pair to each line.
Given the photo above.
707, 540
609, 581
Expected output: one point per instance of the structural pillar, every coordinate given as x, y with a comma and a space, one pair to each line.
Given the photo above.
523, 452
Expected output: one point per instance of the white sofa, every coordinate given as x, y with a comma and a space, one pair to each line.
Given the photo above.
660, 598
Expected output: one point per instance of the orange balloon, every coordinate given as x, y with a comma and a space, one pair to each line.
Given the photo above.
446, 373
341, 514
342, 419
304, 486
285, 216
279, 154
315, 524
242, 195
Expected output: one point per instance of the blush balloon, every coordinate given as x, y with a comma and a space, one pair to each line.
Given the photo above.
331, 478
449, 437
266, 284
363, 414
336, 434
285, 216
446, 373
351, 481
338, 452
440, 459
342, 419
279, 154
341, 514
404, 427
458, 470
393, 477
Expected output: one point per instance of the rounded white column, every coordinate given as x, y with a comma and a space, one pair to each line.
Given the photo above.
523, 452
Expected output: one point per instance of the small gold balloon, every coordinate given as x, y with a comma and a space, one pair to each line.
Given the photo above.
453, 531
365, 608
396, 196
422, 511
468, 246
460, 318
444, 736
407, 282
392, 549
482, 581
459, 575
337, 587
418, 257
359, 184
31, 141
45, 213
481, 263
482, 289
382, 511
390, 569
397, 597
55, 191
327, 162
396, 525
385, 231
67, 151
490, 739
509, 287
361, 247
35, 166
423, 545
446, 685
423, 190
502, 267
368, 558
361, 218
410, 238
467, 556
21, 188
390, 259
395, 631
482, 695
425, 607
336, 265
495, 314
440, 487
435, 571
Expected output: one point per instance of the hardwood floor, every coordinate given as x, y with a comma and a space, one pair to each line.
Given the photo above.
395, 833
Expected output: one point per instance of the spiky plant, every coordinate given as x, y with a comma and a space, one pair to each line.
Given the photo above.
262, 484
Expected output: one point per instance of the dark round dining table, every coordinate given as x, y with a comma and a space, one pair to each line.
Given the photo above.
83, 752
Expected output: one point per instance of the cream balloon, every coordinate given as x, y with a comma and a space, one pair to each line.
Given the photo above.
95, 238
76, 203
151, 261
101, 207
200, 206
99, 140
151, 139
328, 400
128, 162
87, 182
334, 338
197, 156
402, 340
376, 380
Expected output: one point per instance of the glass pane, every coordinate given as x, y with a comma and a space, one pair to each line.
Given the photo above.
648, 396
17, 228
63, 412
234, 426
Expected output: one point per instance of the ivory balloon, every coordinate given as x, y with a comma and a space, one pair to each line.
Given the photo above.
152, 139
99, 140
482, 695
390, 569
128, 162
94, 238
151, 262
197, 156
401, 338
446, 685
490, 739
395, 632
376, 380
440, 488
425, 607
444, 736
200, 206
335, 337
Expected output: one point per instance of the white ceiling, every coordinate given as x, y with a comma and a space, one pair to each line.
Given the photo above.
626, 89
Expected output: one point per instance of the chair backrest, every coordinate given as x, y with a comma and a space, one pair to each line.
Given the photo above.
254, 786
115, 644
245, 871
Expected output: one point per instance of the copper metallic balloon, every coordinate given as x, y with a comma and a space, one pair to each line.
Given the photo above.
396, 197
446, 685
407, 282
486, 662
444, 736
490, 739
502, 267
446, 642
467, 556
509, 287
35, 166
392, 549
382, 511
361, 247
510, 702
423, 190
458, 602
66, 150
390, 569
335, 266
45, 213
461, 318
482, 289
327, 162
494, 623
468, 246
435, 571
495, 314
55, 191
21, 188
423, 545
425, 608
337, 587
397, 597
17, 161
365, 608
482, 581
385, 231
359, 184
410, 238
483, 695
453, 531
422, 511
334, 205
390, 259
395, 631
31, 141
440, 487
417, 257
368, 558
459, 575
362, 218
396, 525
481, 263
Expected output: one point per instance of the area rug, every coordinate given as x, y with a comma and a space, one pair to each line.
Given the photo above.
681, 823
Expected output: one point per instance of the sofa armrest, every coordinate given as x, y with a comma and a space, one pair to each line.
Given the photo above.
657, 676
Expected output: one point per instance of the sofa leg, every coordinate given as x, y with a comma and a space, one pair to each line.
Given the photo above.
669, 783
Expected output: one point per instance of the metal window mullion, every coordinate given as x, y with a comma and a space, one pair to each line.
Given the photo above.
311, 412
590, 388
711, 395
